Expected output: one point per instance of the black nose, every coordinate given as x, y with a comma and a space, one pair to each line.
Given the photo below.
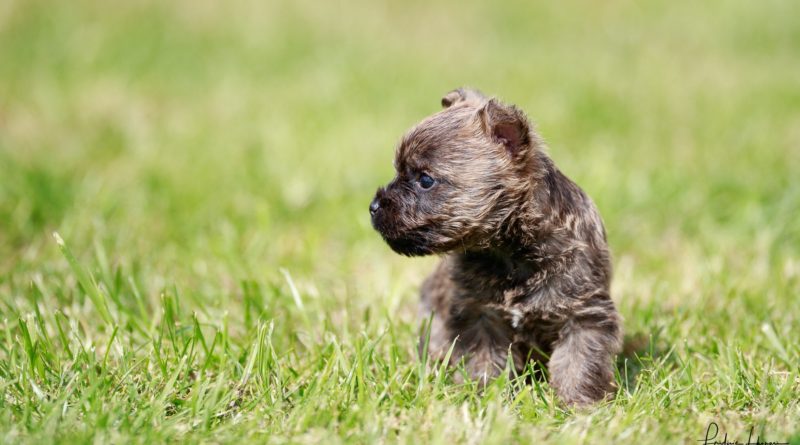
374, 205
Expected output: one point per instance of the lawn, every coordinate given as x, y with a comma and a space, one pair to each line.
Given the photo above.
185, 247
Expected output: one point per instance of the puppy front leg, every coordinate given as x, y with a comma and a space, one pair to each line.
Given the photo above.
581, 367
484, 341
434, 336
436, 293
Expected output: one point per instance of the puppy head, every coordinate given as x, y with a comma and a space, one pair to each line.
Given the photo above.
459, 174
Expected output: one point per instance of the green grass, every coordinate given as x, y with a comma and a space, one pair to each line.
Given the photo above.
209, 168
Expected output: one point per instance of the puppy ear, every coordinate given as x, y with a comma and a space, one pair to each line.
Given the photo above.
507, 125
462, 95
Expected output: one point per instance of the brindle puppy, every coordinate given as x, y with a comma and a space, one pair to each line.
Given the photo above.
525, 268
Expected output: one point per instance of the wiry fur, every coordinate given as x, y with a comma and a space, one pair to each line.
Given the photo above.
526, 266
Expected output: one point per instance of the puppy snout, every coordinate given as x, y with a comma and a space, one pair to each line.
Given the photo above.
374, 205
378, 202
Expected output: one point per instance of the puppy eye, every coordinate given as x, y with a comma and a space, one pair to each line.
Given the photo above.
426, 181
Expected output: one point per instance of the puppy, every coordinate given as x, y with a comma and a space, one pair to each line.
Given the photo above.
525, 268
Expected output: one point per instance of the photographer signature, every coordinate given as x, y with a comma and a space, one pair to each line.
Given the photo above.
712, 432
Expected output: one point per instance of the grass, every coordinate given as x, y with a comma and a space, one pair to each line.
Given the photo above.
215, 279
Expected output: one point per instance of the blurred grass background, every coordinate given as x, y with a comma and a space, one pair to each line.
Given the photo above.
190, 151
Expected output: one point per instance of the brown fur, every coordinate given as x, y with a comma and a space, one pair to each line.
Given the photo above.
526, 266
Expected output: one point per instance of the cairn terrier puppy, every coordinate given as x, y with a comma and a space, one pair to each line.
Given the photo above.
525, 267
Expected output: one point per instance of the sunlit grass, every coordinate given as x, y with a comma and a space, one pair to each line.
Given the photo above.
214, 277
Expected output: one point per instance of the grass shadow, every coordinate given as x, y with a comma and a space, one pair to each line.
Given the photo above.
640, 351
